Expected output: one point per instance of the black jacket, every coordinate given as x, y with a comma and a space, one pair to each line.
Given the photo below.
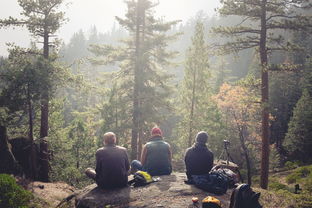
198, 160
112, 167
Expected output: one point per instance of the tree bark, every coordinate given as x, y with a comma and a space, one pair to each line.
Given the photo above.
44, 127
136, 110
264, 100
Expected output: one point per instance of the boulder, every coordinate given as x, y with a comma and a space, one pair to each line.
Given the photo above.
170, 191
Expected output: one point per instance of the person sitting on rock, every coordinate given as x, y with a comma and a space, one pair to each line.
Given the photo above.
156, 156
198, 158
112, 164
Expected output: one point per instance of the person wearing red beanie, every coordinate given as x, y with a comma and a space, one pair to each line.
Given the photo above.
156, 155
156, 132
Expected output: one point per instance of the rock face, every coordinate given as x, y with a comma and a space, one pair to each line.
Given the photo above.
170, 191
51, 194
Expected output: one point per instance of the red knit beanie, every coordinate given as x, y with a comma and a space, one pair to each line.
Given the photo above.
156, 132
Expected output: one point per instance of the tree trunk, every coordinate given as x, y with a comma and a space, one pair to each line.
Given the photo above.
264, 100
136, 110
44, 127
8, 163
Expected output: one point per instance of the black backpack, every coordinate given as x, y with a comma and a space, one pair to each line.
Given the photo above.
244, 197
216, 183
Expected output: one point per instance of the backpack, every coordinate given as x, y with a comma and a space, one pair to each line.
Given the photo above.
232, 177
211, 202
244, 197
141, 178
215, 182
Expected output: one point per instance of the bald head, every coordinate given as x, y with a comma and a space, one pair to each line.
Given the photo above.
109, 138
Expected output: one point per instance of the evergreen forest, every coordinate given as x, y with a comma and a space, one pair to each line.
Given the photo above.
244, 76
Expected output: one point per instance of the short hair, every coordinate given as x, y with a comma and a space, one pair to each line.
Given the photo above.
109, 138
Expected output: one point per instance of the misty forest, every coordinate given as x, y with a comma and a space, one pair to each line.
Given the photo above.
243, 75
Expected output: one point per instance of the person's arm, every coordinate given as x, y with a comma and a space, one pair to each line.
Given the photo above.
143, 155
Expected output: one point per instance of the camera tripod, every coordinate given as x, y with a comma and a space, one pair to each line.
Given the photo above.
227, 160
225, 155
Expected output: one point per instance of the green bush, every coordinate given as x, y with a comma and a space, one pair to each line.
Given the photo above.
299, 173
11, 194
275, 185
303, 172
308, 184
289, 165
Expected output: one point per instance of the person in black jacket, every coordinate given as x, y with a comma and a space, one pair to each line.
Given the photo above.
198, 158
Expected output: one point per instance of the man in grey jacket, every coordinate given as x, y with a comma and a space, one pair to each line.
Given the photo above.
112, 164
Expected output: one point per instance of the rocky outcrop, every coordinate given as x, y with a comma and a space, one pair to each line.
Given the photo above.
170, 191
51, 193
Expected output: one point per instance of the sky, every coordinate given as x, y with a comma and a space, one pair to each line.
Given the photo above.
82, 14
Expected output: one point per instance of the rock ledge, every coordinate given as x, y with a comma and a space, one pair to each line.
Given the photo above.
170, 192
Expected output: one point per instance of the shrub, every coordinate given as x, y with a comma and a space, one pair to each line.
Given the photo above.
11, 194
289, 165
303, 171
299, 173
308, 184
275, 185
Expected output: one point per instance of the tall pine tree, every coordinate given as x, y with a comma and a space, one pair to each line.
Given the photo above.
42, 19
142, 64
260, 21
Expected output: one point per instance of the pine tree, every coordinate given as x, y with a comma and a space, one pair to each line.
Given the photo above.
195, 85
298, 140
142, 63
42, 19
23, 79
260, 21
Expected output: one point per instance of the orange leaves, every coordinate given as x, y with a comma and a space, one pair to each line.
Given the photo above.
240, 108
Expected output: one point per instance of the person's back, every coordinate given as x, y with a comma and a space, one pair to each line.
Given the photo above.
157, 160
111, 167
112, 164
156, 156
198, 158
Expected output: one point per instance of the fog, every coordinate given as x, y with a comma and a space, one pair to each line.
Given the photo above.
83, 14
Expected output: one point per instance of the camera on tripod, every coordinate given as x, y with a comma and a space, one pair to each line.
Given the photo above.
226, 143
